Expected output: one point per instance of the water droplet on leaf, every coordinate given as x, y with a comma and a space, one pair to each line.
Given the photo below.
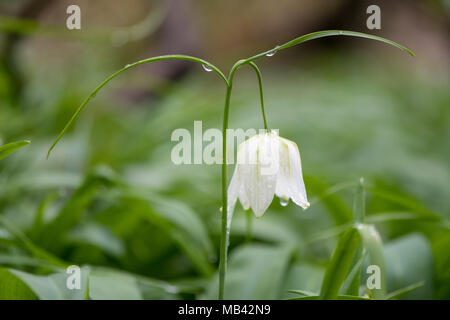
271, 54
206, 68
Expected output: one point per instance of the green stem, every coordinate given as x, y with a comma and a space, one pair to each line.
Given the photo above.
224, 234
261, 95
359, 210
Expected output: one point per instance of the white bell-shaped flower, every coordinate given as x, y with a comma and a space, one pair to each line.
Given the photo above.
267, 165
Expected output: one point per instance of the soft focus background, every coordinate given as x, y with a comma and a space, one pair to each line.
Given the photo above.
109, 198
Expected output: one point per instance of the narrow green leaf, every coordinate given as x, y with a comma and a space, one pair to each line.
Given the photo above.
327, 33
351, 284
374, 246
406, 201
400, 292
9, 148
28, 245
353, 280
303, 293
374, 218
328, 196
340, 264
359, 207
129, 66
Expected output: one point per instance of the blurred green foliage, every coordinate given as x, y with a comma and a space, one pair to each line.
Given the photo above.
109, 198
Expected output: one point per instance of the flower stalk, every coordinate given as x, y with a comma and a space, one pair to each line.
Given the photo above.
229, 86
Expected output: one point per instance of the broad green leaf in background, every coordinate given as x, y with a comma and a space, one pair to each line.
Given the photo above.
254, 272
53, 234
409, 260
98, 235
9, 148
180, 223
108, 285
53, 286
20, 261
12, 288
441, 276
96, 283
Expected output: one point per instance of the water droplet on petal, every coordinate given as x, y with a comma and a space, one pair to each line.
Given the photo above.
206, 68
284, 202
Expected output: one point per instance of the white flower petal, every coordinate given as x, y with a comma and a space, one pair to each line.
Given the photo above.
233, 189
266, 165
244, 199
258, 188
292, 177
282, 189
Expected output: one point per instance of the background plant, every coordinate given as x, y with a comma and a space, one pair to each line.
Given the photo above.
377, 118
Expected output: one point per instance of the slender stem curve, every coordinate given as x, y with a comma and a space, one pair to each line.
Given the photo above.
129, 66
261, 95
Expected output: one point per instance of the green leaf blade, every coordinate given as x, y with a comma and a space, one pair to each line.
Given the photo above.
9, 148
340, 264
328, 33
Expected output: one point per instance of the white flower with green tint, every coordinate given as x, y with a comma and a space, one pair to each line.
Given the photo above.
267, 165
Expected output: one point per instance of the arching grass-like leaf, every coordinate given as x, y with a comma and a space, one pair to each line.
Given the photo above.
7, 149
340, 263
327, 33
127, 67
400, 292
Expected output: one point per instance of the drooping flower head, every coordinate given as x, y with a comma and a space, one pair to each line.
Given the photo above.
267, 165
